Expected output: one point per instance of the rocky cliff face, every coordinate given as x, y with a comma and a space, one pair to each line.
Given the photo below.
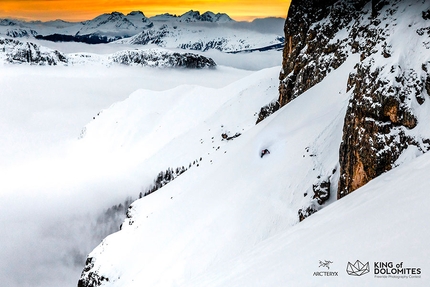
388, 86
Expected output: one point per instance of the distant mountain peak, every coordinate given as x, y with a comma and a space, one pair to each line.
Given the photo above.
192, 12
208, 16
133, 13
116, 24
114, 13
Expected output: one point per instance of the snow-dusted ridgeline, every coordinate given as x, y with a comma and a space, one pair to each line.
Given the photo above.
203, 38
192, 30
14, 51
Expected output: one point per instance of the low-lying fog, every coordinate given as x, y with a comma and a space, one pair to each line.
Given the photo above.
54, 204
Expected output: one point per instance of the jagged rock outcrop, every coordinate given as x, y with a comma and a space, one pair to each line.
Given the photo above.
321, 193
311, 50
163, 178
379, 123
387, 85
20, 33
216, 44
14, 51
158, 58
89, 277
383, 110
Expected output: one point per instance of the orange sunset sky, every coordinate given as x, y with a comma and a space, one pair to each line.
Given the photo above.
77, 10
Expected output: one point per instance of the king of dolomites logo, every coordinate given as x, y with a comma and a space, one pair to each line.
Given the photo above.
358, 268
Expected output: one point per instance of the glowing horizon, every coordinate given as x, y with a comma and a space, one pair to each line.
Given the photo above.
80, 10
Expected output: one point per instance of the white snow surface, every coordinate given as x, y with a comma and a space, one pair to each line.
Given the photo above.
232, 220
384, 221
213, 212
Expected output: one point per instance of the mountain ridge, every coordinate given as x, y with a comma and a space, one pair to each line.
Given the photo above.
110, 27
18, 52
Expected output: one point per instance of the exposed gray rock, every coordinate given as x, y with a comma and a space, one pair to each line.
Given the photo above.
157, 58
15, 51
91, 278
380, 121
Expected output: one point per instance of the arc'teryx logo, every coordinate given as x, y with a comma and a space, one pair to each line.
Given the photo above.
325, 263
358, 268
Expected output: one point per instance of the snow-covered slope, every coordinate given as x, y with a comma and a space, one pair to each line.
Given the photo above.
214, 211
52, 200
384, 222
232, 218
